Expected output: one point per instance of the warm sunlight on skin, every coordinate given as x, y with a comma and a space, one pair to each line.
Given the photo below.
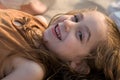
71, 37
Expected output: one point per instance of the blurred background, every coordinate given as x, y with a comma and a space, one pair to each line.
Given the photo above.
62, 6
49, 8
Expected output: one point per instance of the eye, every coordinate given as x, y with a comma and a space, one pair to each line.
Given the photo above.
80, 35
75, 18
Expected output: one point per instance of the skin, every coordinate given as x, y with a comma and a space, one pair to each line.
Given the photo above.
24, 68
79, 33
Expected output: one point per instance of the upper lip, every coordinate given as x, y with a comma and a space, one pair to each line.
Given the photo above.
57, 32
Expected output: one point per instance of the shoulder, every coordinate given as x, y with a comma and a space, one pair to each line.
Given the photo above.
31, 68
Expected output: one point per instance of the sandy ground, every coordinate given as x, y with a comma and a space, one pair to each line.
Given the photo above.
62, 6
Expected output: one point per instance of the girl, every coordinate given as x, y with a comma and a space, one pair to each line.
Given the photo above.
22, 55
72, 39
88, 41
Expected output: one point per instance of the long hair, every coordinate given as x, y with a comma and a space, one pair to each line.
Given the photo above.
106, 56
104, 59
20, 41
110, 56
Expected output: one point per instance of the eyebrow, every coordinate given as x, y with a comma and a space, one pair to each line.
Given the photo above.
81, 16
88, 31
86, 27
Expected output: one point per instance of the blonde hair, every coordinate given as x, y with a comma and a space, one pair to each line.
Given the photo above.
104, 59
108, 54
20, 41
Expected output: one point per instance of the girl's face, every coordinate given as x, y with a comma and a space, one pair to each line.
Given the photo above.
71, 37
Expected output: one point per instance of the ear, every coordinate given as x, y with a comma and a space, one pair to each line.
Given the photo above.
81, 67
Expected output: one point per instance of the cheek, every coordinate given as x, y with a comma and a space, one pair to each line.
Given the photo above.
75, 47
71, 45
48, 34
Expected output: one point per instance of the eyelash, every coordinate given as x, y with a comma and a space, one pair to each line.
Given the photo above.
76, 19
80, 35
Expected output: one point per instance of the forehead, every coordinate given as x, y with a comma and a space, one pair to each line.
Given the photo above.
96, 14
95, 17
97, 24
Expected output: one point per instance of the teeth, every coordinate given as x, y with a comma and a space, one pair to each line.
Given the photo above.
58, 32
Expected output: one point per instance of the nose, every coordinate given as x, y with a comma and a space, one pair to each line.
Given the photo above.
68, 25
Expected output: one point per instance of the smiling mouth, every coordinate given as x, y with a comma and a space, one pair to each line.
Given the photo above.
57, 32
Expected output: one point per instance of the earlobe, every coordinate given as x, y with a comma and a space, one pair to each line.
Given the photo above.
81, 67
